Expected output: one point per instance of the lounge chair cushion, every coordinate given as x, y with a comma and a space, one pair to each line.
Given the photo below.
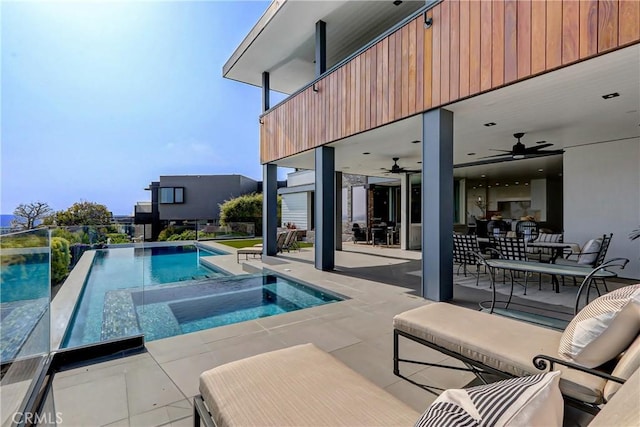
501, 343
525, 401
622, 410
301, 386
590, 252
603, 329
626, 366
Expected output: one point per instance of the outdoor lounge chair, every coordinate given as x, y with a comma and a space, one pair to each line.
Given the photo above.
492, 344
304, 386
255, 251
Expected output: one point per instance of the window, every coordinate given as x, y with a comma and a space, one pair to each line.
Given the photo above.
358, 204
171, 195
345, 202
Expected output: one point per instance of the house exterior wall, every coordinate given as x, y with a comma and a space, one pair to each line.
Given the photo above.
472, 47
294, 210
203, 195
602, 196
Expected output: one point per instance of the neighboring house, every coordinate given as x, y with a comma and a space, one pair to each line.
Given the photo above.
189, 198
445, 87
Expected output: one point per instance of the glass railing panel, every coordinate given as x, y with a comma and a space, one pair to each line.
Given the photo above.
105, 271
26, 266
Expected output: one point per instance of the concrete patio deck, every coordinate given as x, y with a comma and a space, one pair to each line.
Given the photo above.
156, 388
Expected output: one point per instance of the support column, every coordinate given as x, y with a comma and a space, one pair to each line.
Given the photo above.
269, 209
265, 91
321, 48
325, 216
338, 200
405, 210
437, 205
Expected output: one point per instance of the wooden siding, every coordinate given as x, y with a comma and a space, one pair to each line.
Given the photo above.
472, 47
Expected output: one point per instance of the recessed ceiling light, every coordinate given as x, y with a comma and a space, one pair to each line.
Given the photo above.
483, 176
471, 154
366, 152
541, 142
611, 95
517, 182
540, 170
497, 183
415, 142
490, 124
474, 188
397, 2
480, 185
488, 186
506, 185
526, 183
419, 162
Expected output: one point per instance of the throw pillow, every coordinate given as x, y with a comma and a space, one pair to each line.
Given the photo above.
589, 252
524, 401
603, 329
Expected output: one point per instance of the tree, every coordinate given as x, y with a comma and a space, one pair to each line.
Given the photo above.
83, 213
246, 208
28, 214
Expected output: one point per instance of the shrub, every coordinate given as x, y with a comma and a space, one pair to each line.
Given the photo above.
60, 259
166, 233
185, 235
67, 235
115, 238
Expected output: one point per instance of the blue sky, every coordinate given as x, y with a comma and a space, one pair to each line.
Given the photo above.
101, 98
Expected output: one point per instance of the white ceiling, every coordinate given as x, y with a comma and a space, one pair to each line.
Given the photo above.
283, 43
564, 107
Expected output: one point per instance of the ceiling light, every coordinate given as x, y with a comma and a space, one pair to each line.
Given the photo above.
488, 186
474, 188
397, 2
611, 95
483, 176
526, 183
541, 142
366, 152
471, 154
480, 185
415, 142
497, 183
419, 162
540, 170
517, 182
506, 185
490, 124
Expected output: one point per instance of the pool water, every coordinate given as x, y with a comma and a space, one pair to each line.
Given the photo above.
178, 296
133, 269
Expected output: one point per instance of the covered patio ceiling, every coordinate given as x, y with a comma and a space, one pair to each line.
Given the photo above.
565, 107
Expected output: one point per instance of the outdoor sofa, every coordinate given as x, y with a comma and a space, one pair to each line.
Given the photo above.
304, 386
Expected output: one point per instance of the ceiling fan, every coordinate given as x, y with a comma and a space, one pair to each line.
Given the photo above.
520, 151
398, 169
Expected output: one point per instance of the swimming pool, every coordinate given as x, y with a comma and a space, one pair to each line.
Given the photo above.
133, 269
113, 306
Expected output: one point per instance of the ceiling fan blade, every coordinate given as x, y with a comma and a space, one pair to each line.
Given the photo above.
506, 155
537, 148
495, 149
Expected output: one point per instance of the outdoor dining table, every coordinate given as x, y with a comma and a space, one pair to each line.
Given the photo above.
588, 273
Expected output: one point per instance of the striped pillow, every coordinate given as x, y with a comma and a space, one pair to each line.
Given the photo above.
533, 400
603, 329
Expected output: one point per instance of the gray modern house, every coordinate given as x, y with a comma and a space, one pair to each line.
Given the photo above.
180, 198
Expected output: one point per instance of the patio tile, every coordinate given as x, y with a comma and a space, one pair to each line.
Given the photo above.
369, 362
183, 422
246, 346
150, 388
412, 395
177, 347
185, 372
120, 423
88, 375
155, 417
93, 403
324, 335
224, 332
106, 368
284, 319
180, 409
